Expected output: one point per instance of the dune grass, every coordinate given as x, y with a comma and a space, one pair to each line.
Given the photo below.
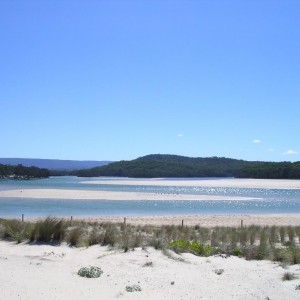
277, 243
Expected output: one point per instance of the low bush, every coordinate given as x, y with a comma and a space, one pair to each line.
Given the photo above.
133, 288
90, 272
181, 246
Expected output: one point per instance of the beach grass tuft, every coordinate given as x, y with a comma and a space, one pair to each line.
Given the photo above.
276, 243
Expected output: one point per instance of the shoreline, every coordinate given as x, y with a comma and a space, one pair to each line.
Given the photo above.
193, 220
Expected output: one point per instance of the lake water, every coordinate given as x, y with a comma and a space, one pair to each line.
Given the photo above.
272, 201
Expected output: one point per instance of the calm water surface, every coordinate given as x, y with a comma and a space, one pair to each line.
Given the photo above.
272, 201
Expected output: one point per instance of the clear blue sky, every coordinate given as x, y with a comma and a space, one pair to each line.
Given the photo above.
112, 80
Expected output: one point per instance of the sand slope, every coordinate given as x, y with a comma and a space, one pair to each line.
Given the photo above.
47, 272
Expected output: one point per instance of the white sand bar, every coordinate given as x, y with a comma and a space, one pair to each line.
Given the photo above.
107, 195
38, 272
229, 183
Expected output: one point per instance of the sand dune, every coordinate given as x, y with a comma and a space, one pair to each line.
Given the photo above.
50, 272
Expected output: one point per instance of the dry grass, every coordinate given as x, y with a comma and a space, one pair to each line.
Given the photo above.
252, 242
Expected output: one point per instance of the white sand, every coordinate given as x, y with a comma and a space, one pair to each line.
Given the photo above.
192, 220
234, 183
204, 220
38, 272
108, 195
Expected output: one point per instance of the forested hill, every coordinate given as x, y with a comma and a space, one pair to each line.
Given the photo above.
21, 172
160, 165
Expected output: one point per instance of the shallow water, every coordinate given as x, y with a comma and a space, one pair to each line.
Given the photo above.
272, 201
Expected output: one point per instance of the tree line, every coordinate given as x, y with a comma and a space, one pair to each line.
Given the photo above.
21, 172
159, 165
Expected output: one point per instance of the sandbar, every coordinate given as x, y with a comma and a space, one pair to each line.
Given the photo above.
223, 182
108, 195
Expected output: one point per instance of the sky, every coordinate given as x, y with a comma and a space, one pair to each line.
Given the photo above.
116, 80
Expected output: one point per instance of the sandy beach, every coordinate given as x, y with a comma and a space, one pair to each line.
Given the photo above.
50, 272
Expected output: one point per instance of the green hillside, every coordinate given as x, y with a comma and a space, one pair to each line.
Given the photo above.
162, 165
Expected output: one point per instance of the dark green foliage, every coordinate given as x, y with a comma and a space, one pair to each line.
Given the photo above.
158, 165
21, 172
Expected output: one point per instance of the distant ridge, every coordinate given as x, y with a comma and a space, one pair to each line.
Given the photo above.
165, 165
54, 164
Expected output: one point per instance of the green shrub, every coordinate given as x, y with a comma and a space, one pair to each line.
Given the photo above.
90, 272
196, 248
237, 252
180, 246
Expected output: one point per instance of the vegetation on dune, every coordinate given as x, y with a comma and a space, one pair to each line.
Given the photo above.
158, 165
251, 242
